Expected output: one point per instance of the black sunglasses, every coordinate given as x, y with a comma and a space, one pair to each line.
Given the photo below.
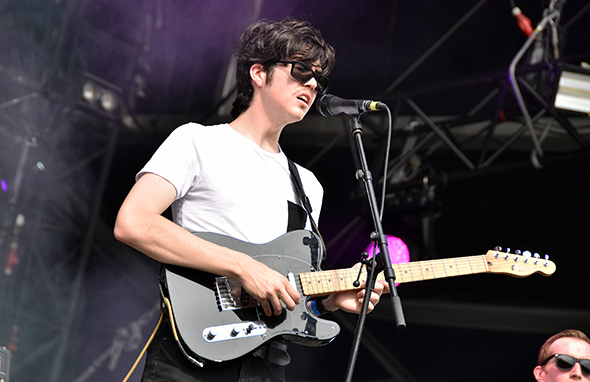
567, 362
302, 72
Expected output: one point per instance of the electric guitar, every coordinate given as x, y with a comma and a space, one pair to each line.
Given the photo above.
214, 319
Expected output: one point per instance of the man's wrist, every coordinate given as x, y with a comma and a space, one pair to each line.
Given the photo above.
319, 305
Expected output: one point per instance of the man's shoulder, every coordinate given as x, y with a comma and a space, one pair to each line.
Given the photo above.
194, 128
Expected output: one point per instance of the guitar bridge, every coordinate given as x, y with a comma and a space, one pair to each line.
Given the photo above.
231, 295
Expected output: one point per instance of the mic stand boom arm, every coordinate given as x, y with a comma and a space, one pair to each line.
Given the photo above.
382, 258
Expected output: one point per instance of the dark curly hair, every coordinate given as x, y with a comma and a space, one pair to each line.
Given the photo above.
265, 41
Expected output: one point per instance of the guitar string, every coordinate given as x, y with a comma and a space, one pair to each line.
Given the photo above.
327, 282
323, 282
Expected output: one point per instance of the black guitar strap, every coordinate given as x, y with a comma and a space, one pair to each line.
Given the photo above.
304, 200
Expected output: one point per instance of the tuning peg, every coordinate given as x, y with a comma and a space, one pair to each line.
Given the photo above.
518, 252
508, 250
546, 263
498, 248
527, 256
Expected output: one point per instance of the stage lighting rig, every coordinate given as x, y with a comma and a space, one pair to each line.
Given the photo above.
100, 96
573, 89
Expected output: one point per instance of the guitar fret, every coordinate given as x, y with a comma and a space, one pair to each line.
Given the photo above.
317, 283
328, 282
350, 278
444, 266
306, 283
470, 267
421, 270
344, 278
404, 273
399, 273
320, 282
335, 281
444, 271
323, 282
429, 271
411, 269
457, 267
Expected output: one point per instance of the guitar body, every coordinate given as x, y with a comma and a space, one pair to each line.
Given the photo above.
218, 321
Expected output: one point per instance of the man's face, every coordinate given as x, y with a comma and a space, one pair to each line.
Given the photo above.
293, 98
568, 346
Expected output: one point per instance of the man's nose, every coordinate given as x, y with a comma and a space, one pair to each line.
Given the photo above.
312, 82
576, 371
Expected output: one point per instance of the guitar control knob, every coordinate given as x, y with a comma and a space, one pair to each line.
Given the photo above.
249, 329
234, 332
210, 335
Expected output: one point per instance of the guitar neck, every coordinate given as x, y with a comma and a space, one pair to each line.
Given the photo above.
323, 283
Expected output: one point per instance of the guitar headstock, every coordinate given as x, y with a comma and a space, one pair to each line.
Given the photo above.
518, 264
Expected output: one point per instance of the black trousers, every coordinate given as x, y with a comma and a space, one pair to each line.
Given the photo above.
165, 362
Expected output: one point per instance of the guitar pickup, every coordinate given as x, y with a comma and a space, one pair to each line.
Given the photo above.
234, 331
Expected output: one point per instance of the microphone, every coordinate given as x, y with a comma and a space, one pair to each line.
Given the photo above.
329, 106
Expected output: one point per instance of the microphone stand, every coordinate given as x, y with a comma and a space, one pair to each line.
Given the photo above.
383, 261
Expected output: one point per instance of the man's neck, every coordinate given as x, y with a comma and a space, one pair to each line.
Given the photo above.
258, 129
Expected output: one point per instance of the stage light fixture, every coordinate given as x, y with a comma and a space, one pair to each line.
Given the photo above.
109, 101
90, 91
573, 90
99, 95
398, 250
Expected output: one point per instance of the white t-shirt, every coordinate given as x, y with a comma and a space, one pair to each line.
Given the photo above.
225, 183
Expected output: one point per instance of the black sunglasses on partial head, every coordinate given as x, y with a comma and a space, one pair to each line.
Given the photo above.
567, 362
302, 72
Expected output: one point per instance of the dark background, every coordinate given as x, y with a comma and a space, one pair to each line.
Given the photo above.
79, 306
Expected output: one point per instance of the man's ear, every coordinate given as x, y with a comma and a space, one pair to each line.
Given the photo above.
257, 74
539, 373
